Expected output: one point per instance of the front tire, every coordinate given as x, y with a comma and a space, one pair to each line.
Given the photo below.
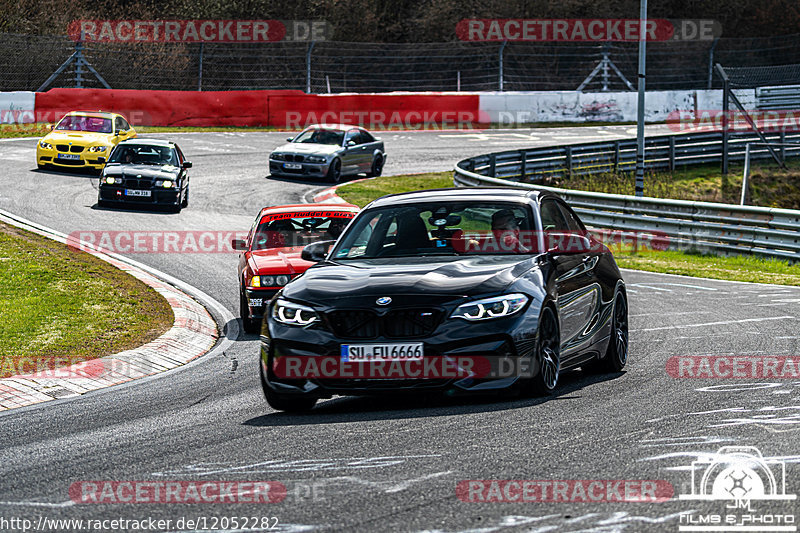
280, 402
548, 352
185, 202
335, 171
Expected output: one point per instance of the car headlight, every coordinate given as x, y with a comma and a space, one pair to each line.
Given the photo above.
292, 314
281, 280
98, 148
316, 159
111, 180
276, 157
45, 145
167, 184
488, 308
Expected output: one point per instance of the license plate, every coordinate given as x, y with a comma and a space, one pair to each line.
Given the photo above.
292, 166
69, 156
136, 192
382, 352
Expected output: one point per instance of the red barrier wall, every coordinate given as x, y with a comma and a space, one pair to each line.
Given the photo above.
290, 109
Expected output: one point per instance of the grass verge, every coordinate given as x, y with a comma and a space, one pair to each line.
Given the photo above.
59, 306
733, 268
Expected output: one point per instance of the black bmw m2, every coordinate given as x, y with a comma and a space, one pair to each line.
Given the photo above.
459, 290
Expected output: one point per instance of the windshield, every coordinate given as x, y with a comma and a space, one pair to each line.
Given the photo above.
283, 231
464, 228
320, 136
144, 155
83, 123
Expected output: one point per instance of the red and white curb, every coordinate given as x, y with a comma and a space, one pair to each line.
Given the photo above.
193, 333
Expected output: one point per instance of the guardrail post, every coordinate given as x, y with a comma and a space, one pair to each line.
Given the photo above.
783, 146
568, 160
523, 169
616, 156
493, 166
308, 66
671, 153
502, 47
726, 87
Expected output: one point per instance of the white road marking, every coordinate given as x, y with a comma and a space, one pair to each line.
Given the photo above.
662, 289
720, 323
69, 503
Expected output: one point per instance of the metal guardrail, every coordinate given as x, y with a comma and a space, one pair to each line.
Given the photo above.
784, 97
722, 228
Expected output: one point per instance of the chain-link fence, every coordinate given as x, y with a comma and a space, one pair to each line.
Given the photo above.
26, 62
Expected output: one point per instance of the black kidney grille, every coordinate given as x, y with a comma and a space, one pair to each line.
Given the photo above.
411, 322
295, 158
398, 324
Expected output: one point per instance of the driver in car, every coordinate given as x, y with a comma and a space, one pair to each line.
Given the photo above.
505, 229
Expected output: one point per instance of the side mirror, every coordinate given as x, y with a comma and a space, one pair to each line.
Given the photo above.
52, 127
351, 143
187, 164
558, 243
316, 251
240, 245
101, 160
289, 139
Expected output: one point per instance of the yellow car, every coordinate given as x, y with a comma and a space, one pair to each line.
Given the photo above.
83, 139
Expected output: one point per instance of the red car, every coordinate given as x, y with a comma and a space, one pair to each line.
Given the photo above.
270, 256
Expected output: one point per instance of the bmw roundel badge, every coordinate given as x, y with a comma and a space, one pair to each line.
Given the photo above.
384, 300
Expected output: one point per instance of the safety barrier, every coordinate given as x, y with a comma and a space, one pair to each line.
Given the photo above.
722, 228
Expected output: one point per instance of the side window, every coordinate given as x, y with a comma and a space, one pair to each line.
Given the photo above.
552, 218
125, 124
352, 135
181, 158
572, 221
119, 124
365, 137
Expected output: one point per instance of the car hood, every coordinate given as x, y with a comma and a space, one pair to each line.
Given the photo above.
279, 261
326, 283
308, 148
145, 171
78, 137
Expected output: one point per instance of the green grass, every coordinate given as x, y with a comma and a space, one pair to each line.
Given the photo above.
770, 186
733, 268
363, 192
60, 306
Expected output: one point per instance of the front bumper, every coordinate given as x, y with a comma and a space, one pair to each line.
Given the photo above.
114, 193
508, 346
83, 159
306, 170
257, 300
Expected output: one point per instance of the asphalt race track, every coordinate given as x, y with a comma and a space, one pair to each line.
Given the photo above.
356, 464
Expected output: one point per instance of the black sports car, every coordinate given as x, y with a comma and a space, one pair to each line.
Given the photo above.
145, 172
454, 290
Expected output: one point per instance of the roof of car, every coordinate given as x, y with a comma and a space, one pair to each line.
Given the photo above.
458, 194
151, 142
103, 114
343, 127
308, 208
